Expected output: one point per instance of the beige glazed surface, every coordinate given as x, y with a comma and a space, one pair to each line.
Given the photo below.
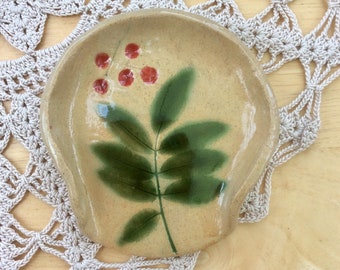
228, 87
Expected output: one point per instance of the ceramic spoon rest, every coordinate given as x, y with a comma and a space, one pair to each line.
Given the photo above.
160, 122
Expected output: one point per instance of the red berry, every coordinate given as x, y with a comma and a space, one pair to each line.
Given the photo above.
102, 60
100, 86
149, 75
132, 50
126, 77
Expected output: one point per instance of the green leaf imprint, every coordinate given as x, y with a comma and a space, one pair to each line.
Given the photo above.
131, 167
129, 188
199, 189
125, 126
192, 136
171, 99
139, 226
198, 161
126, 163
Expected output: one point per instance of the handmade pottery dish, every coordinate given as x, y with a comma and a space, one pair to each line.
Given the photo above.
160, 122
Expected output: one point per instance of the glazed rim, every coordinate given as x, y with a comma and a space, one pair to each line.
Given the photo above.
268, 149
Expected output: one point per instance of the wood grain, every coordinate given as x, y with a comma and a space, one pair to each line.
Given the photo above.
301, 231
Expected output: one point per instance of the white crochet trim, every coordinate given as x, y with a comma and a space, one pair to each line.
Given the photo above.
274, 31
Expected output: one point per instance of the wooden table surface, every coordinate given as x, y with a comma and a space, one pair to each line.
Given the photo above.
302, 230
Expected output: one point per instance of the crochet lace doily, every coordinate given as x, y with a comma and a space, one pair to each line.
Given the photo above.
274, 32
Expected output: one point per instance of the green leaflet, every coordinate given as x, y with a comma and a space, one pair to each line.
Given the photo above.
131, 168
139, 226
125, 126
125, 172
198, 161
199, 189
192, 136
123, 161
129, 188
171, 99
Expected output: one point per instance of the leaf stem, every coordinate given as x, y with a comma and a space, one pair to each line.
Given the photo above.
159, 195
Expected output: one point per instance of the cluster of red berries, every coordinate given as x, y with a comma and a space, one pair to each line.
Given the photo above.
126, 76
